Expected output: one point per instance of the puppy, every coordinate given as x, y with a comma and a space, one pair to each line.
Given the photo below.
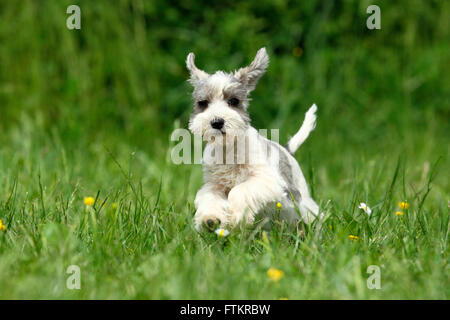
244, 172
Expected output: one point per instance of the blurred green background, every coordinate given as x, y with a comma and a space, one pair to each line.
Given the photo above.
119, 84
121, 78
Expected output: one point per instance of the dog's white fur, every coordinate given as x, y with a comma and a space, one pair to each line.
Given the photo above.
255, 179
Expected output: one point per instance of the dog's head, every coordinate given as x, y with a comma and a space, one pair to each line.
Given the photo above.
221, 99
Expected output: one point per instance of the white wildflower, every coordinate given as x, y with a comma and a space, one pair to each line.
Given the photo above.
222, 232
365, 208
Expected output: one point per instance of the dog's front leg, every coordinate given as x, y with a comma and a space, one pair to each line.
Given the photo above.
212, 207
248, 198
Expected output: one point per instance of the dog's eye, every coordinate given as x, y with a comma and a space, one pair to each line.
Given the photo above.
203, 104
234, 102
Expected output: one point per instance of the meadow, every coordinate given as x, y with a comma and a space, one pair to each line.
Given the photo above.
89, 113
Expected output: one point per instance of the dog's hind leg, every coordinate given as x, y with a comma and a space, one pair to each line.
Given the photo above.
309, 209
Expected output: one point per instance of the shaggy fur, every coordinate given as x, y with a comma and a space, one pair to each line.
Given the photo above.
244, 173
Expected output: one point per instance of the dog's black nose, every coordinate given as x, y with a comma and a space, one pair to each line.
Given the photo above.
217, 123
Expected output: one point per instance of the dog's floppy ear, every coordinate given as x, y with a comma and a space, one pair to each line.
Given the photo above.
251, 74
196, 73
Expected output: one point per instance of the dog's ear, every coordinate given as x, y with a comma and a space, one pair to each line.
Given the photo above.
196, 73
251, 74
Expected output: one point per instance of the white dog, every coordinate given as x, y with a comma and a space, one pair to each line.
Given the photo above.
244, 173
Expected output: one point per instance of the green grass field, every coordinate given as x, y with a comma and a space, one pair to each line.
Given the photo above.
89, 113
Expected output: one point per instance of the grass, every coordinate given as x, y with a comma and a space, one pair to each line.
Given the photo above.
90, 112
137, 240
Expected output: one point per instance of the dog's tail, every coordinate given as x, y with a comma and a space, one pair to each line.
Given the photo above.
308, 125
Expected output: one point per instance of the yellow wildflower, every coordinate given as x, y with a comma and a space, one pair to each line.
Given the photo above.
283, 298
89, 201
399, 213
354, 238
2, 226
275, 274
114, 206
403, 205
279, 205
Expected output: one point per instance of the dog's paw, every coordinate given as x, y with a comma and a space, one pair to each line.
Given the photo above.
237, 217
209, 221
211, 217
240, 211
